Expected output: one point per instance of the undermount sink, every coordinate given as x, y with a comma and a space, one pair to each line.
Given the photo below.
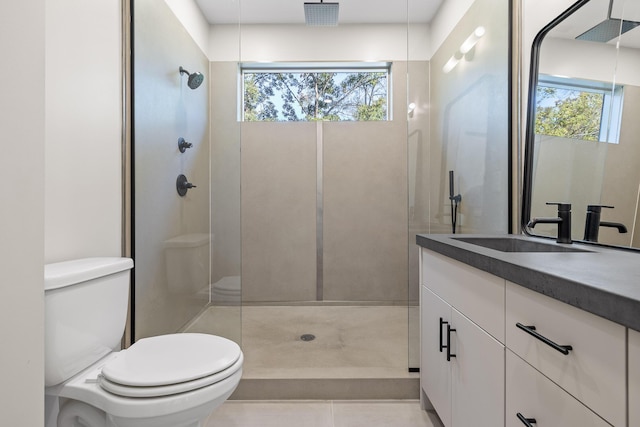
511, 244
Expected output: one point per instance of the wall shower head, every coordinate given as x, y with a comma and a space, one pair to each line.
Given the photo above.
321, 14
195, 79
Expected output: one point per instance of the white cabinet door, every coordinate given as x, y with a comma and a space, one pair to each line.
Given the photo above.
435, 371
535, 397
477, 375
634, 378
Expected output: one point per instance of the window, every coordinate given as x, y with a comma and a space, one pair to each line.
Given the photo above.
578, 109
315, 91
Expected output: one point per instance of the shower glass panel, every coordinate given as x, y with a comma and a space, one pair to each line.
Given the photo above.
186, 217
460, 122
324, 212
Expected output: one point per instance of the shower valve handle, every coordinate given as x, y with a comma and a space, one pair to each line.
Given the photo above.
183, 145
183, 185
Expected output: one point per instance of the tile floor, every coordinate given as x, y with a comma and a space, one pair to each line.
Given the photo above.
403, 413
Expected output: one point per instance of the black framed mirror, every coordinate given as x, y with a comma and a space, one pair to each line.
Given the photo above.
582, 143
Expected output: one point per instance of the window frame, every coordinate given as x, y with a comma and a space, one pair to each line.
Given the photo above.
315, 67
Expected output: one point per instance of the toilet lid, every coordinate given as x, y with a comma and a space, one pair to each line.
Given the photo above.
171, 359
167, 390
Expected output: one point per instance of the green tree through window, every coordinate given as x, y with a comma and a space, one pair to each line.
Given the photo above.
578, 109
308, 95
568, 113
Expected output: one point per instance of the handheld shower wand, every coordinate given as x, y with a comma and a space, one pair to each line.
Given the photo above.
454, 203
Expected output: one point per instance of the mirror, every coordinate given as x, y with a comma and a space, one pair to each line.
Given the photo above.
582, 139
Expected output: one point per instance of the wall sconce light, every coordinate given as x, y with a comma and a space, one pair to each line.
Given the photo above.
471, 41
452, 62
465, 47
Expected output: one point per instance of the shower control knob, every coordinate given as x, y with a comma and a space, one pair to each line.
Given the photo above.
183, 185
183, 145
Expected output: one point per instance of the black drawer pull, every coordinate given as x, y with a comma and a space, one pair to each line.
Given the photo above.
449, 355
531, 330
442, 322
526, 421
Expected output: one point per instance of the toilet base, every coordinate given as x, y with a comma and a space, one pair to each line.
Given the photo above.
85, 399
74, 413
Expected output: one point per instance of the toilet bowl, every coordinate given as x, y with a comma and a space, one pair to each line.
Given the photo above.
173, 380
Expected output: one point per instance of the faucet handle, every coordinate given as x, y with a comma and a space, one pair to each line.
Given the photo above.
597, 208
562, 207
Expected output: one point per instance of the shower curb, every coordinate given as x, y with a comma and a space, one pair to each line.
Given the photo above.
328, 389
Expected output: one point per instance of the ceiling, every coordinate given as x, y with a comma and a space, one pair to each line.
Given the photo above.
292, 11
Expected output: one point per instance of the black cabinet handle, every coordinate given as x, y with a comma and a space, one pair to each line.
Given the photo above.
526, 421
442, 322
449, 355
531, 330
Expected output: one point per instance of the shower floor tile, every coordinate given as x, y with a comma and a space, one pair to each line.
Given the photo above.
350, 341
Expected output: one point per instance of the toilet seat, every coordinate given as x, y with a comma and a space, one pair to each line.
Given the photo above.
170, 364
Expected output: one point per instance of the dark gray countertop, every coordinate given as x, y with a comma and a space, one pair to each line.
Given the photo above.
602, 281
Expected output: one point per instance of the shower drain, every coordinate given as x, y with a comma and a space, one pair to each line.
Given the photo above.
307, 337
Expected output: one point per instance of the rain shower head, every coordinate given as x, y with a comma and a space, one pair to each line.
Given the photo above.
321, 14
195, 79
608, 29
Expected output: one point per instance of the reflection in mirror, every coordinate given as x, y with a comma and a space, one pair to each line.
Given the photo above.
582, 142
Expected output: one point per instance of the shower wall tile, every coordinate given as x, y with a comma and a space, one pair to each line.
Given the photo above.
166, 109
225, 171
278, 211
365, 205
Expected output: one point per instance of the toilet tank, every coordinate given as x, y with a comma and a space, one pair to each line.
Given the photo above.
85, 313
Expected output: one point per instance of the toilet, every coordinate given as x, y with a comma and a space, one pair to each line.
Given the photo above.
173, 380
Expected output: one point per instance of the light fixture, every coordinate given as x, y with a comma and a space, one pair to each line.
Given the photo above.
452, 62
321, 14
465, 48
471, 41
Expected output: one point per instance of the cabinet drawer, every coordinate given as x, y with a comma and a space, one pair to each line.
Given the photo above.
593, 371
476, 293
532, 395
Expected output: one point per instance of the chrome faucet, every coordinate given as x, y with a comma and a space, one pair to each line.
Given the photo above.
563, 220
592, 224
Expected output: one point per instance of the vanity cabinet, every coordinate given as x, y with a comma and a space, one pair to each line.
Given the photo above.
516, 351
462, 364
634, 378
583, 354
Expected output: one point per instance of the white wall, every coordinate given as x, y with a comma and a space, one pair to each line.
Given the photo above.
83, 197
448, 16
302, 43
192, 19
21, 212
574, 58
